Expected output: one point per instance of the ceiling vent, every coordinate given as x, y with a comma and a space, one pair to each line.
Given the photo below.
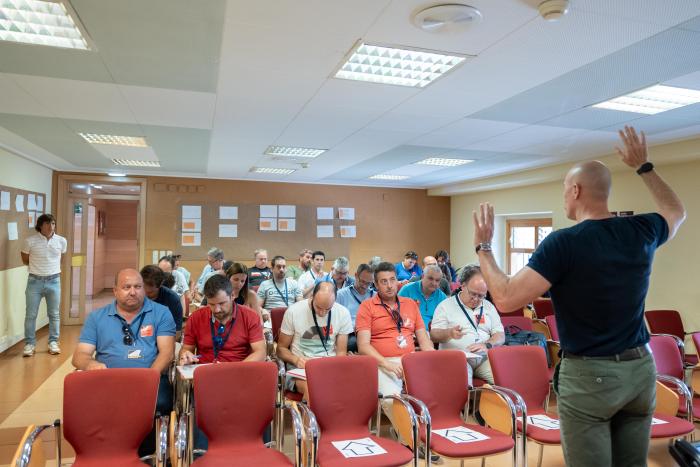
553, 10
448, 17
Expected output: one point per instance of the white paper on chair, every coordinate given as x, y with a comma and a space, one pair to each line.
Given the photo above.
362, 447
298, 373
460, 434
656, 421
543, 422
187, 371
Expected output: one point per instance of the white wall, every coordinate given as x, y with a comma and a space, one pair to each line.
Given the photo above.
19, 173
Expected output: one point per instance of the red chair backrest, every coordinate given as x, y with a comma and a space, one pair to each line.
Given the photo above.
696, 341
522, 322
522, 368
518, 312
235, 402
665, 322
667, 356
343, 393
276, 317
552, 325
425, 380
454, 286
108, 413
543, 307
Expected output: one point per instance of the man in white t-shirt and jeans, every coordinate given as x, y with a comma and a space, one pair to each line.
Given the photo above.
311, 328
42, 253
469, 322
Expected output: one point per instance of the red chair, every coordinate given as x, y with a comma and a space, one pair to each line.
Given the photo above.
669, 322
543, 307
343, 396
234, 403
666, 350
96, 426
524, 370
551, 321
276, 317
522, 322
440, 401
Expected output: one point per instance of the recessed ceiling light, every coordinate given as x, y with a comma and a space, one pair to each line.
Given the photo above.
115, 140
116, 174
652, 100
135, 163
444, 162
290, 151
41, 23
400, 66
271, 170
389, 177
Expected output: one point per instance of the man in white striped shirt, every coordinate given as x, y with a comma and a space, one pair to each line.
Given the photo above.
42, 253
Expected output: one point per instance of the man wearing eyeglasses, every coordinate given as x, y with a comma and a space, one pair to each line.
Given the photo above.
352, 297
222, 331
131, 332
469, 322
215, 261
316, 327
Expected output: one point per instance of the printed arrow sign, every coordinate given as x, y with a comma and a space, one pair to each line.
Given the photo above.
362, 447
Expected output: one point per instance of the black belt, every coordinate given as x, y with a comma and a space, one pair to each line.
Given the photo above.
629, 354
45, 278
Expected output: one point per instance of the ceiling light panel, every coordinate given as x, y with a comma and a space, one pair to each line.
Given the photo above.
399, 66
135, 163
290, 151
271, 170
444, 162
114, 140
652, 100
40, 23
389, 177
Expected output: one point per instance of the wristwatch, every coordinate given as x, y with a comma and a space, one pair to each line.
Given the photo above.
483, 246
645, 167
489, 345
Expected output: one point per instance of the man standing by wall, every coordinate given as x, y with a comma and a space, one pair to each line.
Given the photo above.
42, 252
606, 379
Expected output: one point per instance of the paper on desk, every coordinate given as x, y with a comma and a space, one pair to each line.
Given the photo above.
187, 371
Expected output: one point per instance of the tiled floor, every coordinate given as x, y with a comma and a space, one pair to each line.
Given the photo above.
32, 391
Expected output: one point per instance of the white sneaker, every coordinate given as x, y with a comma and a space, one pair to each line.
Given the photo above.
28, 350
54, 349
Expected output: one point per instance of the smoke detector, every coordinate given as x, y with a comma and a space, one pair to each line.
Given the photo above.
553, 10
448, 17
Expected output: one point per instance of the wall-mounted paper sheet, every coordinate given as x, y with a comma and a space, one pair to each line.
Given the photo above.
286, 210
228, 212
268, 224
31, 219
19, 203
268, 210
324, 231
286, 225
40, 203
346, 214
191, 212
324, 213
31, 202
5, 200
228, 230
191, 225
191, 239
348, 231
12, 233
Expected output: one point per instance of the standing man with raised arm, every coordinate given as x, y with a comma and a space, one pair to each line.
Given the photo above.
606, 378
42, 252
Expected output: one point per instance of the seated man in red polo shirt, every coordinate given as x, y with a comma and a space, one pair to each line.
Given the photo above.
385, 325
222, 331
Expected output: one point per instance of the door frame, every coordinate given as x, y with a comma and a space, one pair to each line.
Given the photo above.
65, 227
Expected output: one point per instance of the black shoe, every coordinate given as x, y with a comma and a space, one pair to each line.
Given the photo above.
421, 454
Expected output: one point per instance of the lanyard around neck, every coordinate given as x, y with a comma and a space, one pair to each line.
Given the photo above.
354, 295
325, 336
285, 297
395, 314
464, 310
224, 338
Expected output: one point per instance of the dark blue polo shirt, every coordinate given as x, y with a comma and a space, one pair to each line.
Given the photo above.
171, 301
599, 271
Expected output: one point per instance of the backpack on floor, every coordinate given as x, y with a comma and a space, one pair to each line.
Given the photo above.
518, 336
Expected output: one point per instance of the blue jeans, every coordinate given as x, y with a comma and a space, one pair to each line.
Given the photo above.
51, 291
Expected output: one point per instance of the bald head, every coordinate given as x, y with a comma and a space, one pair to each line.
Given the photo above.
323, 298
127, 275
429, 261
593, 179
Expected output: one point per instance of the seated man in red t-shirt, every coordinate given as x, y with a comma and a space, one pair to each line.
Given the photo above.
385, 326
222, 331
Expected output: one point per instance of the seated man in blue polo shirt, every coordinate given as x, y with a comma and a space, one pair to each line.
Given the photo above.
426, 292
131, 332
153, 277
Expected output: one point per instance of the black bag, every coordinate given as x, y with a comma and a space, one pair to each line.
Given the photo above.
517, 336
685, 453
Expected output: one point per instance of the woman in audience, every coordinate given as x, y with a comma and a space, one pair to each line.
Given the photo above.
443, 259
237, 273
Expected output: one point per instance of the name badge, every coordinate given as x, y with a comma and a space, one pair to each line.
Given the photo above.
134, 354
401, 341
147, 330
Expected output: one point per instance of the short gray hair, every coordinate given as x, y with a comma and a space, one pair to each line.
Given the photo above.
216, 253
341, 263
374, 261
469, 271
432, 268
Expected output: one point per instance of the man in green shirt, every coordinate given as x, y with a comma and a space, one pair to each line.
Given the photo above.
294, 272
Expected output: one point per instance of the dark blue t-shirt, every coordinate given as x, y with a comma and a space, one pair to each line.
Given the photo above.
171, 301
599, 271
